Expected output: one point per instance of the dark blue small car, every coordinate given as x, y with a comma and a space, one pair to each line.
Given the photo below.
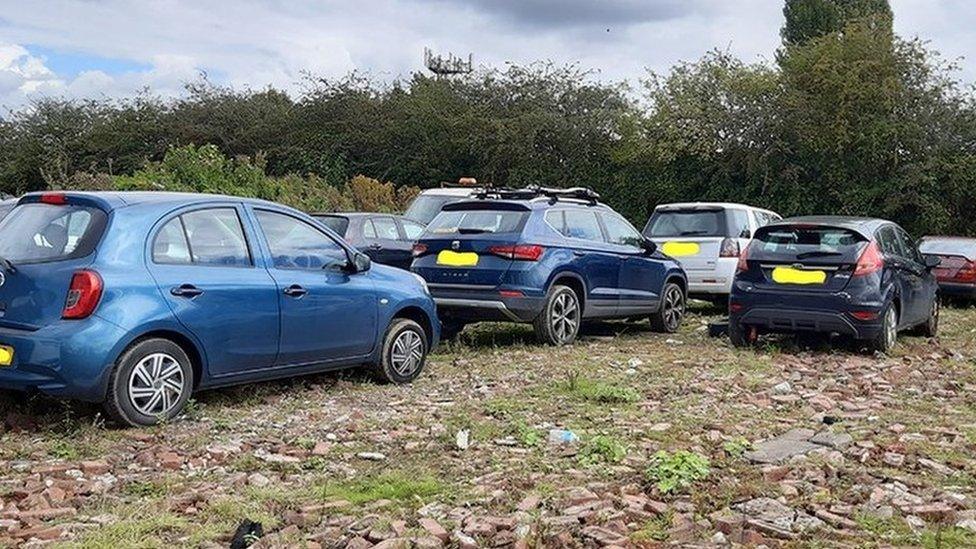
138, 299
857, 277
547, 257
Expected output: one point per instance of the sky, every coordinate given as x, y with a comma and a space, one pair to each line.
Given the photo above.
115, 48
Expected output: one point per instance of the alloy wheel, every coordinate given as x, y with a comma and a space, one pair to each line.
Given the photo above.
564, 316
890, 327
407, 353
156, 384
674, 308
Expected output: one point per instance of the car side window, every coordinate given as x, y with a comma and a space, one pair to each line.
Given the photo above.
296, 244
620, 231
368, 230
557, 220
583, 225
909, 246
385, 228
738, 223
204, 237
412, 230
888, 242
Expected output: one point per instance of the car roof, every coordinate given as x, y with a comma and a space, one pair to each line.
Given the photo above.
693, 205
538, 203
450, 191
864, 225
120, 199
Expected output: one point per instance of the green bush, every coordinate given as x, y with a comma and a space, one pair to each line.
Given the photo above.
676, 471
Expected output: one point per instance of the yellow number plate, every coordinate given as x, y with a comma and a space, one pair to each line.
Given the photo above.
789, 275
457, 259
6, 355
681, 249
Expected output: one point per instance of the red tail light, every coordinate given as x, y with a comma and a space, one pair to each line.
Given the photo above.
419, 249
743, 264
57, 199
865, 315
870, 261
522, 252
966, 273
730, 248
83, 295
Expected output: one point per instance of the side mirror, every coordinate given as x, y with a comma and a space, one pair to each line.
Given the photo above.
360, 263
932, 261
649, 246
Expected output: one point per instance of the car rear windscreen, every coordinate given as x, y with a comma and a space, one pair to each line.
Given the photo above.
35, 232
476, 222
813, 243
692, 222
964, 247
426, 206
336, 223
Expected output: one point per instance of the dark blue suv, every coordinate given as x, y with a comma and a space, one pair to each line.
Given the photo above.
551, 257
858, 277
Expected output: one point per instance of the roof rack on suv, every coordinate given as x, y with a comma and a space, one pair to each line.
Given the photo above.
528, 193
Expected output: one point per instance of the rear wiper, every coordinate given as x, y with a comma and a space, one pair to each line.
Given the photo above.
473, 231
818, 253
691, 233
7, 265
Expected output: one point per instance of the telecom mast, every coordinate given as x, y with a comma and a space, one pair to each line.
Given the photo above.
448, 65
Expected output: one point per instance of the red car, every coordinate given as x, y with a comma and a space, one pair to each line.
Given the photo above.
956, 272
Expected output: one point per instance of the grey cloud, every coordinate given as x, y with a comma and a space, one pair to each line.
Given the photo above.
557, 14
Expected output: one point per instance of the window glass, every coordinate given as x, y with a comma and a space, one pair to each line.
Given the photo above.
368, 230
583, 225
170, 244
385, 228
216, 237
909, 246
44, 232
557, 220
888, 242
336, 223
803, 242
412, 230
738, 223
619, 231
476, 222
295, 244
426, 206
664, 223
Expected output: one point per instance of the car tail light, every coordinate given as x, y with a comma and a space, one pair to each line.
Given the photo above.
419, 249
966, 273
522, 252
510, 293
735, 307
870, 261
865, 315
730, 248
57, 199
743, 264
83, 295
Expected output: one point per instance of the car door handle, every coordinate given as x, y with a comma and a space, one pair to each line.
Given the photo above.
295, 291
186, 290
375, 246
578, 253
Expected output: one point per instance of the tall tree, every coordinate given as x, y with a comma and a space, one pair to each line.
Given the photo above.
809, 19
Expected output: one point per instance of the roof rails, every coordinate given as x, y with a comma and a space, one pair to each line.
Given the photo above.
528, 193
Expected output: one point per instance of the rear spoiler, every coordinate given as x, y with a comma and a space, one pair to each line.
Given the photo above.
474, 205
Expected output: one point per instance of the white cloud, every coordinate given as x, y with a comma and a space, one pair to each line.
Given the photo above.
257, 43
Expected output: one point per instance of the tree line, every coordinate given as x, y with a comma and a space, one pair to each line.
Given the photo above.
847, 118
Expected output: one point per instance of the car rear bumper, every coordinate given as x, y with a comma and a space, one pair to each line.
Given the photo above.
781, 320
714, 282
467, 304
68, 359
956, 289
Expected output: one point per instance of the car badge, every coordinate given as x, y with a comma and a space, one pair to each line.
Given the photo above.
456, 245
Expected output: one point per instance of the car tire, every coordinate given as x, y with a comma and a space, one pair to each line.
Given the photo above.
888, 336
668, 318
559, 322
150, 383
739, 335
404, 352
930, 328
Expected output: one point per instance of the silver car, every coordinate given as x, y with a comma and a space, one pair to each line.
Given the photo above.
706, 238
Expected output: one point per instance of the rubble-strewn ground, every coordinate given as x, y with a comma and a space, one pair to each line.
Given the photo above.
804, 448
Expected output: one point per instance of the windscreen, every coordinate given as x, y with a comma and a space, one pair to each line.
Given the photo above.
38, 232
336, 223
476, 222
678, 223
426, 206
799, 243
949, 246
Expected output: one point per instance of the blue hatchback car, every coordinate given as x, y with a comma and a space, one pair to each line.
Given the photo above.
138, 299
553, 258
859, 277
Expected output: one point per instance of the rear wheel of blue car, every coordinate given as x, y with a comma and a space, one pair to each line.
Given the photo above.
668, 318
404, 352
150, 383
559, 321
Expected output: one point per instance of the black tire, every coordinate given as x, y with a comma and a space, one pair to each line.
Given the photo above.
163, 369
930, 328
399, 361
668, 317
739, 335
888, 336
560, 319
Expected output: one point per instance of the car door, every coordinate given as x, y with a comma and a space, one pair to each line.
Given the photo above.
203, 263
381, 239
920, 278
641, 277
327, 312
410, 232
598, 262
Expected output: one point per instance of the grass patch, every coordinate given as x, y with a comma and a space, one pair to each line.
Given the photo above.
600, 391
602, 449
676, 471
391, 486
141, 527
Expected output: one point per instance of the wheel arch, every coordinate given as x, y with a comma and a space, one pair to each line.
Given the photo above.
192, 349
574, 281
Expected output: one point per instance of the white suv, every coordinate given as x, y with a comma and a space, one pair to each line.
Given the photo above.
706, 238
429, 203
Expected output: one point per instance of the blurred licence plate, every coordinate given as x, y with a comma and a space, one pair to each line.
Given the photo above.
6, 355
681, 249
457, 259
789, 275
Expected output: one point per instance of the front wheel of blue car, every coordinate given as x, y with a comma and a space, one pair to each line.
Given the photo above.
150, 383
404, 352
